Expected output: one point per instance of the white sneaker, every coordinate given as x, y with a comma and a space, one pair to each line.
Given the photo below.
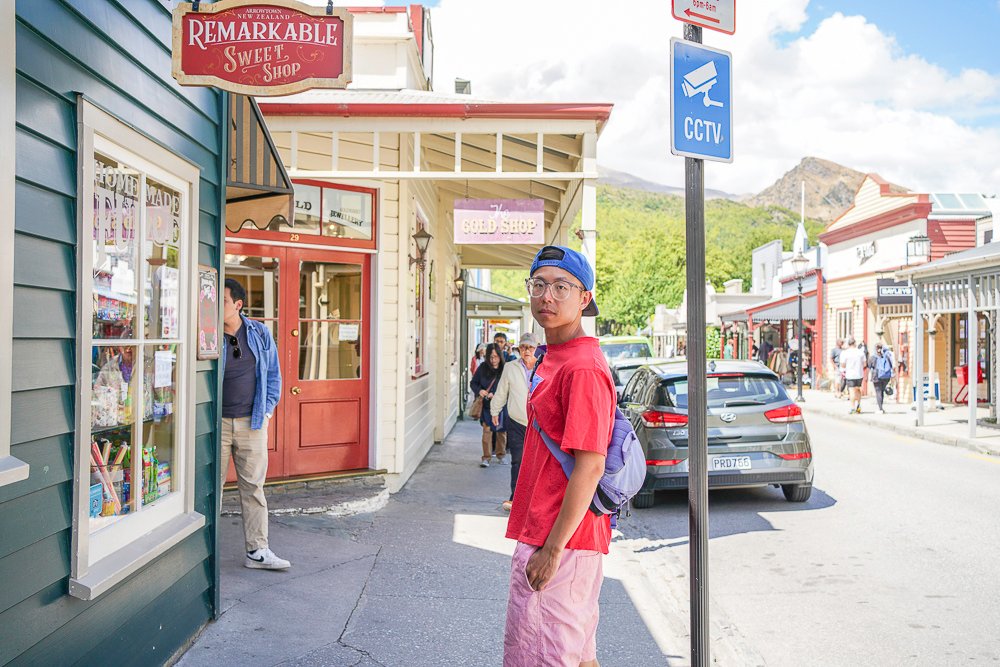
485, 463
264, 559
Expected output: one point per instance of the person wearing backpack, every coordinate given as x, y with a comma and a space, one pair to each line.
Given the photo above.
881, 373
556, 570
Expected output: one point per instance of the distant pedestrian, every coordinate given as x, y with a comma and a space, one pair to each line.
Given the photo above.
880, 366
852, 361
728, 352
838, 373
512, 393
477, 359
556, 573
484, 384
500, 340
764, 351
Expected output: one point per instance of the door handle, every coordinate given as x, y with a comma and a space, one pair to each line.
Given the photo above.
296, 390
295, 333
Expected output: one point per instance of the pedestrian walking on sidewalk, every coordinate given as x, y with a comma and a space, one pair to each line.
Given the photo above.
484, 384
512, 393
881, 369
556, 571
251, 387
852, 362
838, 373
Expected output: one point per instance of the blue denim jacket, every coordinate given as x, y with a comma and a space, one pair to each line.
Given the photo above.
268, 370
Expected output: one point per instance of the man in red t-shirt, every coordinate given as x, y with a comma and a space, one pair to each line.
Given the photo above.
556, 571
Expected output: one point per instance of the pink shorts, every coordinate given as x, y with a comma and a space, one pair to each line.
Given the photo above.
556, 626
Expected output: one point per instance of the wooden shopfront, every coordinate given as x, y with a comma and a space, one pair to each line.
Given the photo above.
309, 278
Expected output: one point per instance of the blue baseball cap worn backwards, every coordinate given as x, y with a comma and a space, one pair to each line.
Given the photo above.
571, 261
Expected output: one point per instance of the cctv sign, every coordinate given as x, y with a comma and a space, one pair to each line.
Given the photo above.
701, 101
712, 14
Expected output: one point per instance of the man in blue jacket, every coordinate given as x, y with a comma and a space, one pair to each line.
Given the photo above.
251, 387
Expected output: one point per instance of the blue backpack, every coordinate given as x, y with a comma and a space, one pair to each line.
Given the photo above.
883, 367
624, 467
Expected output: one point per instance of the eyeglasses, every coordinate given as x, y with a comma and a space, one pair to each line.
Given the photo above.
235, 342
560, 289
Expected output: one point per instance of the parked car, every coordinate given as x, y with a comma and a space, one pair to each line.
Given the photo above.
625, 347
624, 368
756, 434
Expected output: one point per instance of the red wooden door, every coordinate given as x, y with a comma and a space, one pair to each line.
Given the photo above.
326, 315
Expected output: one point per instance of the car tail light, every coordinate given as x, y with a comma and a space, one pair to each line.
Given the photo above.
796, 457
657, 419
663, 462
785, 414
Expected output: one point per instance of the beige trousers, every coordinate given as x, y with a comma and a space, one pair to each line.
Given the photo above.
248, 449
488, 443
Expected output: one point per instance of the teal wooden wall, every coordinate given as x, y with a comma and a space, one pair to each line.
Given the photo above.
117, 53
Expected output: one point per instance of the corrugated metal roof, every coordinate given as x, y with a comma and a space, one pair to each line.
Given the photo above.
405, 96
787, 311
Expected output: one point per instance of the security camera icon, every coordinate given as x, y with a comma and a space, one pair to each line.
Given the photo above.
700, 81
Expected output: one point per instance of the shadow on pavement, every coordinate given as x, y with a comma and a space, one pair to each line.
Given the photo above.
731, 512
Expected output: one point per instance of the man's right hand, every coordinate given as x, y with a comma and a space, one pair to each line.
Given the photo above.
496, 421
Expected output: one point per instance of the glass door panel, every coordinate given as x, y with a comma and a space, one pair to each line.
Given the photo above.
330, 321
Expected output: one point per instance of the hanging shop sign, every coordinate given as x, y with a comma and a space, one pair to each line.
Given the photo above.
276, 47
504, 221
891, 292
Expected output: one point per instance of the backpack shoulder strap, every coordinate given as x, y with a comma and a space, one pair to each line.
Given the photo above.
564, 459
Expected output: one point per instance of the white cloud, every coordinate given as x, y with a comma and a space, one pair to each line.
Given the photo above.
847, 92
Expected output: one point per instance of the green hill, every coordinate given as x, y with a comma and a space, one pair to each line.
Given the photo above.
640, 250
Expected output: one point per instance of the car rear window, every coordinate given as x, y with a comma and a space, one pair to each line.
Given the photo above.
625, 350
724, 392
625, 374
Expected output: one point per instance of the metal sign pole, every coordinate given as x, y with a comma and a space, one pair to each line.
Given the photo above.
694, 203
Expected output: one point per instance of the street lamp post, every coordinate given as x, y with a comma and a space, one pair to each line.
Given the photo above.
799, 264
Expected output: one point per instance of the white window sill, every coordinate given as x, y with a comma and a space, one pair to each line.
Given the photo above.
12, 470
113, 569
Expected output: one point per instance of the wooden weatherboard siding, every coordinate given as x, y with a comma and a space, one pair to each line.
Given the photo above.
117, 54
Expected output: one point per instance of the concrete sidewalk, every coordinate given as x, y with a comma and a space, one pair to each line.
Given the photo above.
948, 426
423, 581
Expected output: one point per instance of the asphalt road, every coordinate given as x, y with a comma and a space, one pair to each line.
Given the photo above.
893, 561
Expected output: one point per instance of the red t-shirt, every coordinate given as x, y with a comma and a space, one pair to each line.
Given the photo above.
573, 401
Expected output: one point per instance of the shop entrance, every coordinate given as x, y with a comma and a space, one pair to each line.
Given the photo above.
317, 305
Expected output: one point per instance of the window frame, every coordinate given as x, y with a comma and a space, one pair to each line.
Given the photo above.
845, 325
134, 540
12, 469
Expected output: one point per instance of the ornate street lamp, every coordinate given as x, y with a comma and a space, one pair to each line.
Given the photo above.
800, 263
423, 239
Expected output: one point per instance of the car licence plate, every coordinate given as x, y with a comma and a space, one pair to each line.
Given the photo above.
731, 463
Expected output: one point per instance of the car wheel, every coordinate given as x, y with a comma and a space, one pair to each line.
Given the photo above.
643, 500
797, 493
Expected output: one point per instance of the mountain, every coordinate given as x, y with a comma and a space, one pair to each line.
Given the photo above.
830, 189
621, 179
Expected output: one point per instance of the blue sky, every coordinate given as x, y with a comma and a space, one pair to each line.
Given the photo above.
954, 35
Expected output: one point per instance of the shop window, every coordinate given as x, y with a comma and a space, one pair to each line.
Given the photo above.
845, 324
420, 309
11, 469
135, 435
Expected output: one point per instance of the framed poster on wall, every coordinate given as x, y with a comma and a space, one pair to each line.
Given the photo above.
208, 313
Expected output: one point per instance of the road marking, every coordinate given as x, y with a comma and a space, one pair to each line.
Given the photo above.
986, 457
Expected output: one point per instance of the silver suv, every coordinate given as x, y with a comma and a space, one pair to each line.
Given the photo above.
756, 435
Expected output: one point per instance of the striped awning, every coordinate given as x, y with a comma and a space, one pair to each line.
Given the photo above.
789, 310
258, 190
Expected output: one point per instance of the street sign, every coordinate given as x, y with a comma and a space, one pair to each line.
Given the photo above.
701, 94
712, 14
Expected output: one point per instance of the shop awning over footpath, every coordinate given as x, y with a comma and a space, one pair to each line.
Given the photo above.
786, 308
467, 148
258, 188
483, 304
